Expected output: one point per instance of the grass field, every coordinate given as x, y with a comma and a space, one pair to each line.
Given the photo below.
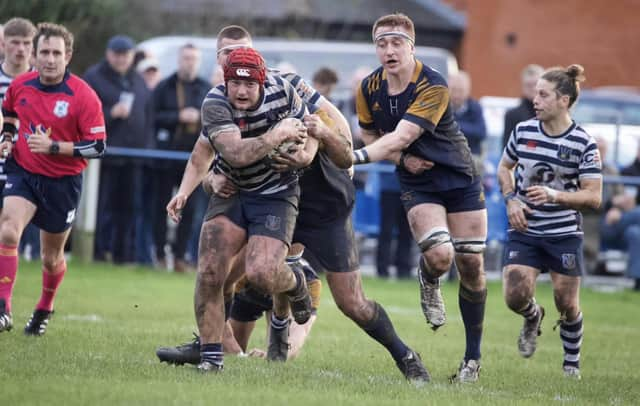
99, 349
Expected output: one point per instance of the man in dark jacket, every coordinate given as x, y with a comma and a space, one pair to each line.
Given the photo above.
177, 101
467, 111
128, 113
524, 111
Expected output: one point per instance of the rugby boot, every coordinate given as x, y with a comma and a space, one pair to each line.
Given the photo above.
187, 353
431, 302
37, 324
529, 333
468, 372
299, 297
278, 348
6, 321
412, 368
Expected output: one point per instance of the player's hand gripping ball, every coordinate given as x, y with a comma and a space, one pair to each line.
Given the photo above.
296, 136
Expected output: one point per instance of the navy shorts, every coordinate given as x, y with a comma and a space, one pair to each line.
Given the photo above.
469, 198
332, 245
563, 255
56, 199
267, 215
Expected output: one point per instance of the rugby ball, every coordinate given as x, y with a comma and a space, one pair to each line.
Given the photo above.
288, 146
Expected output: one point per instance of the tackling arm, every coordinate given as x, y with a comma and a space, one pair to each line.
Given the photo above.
390, 146
338, 144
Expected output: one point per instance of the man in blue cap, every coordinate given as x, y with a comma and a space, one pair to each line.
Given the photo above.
128, 113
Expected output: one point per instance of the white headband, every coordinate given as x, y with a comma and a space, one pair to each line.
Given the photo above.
232, 47
393, 34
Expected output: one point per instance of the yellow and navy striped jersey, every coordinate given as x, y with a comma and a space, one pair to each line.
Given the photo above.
558, 162
279, 101
425, 103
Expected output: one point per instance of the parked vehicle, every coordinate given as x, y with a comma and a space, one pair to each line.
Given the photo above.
306, 56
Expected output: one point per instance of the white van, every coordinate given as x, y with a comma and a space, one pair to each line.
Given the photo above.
306, 56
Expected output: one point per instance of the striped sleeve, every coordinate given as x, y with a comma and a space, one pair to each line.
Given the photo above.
217, 115
298, 109
590, 163
306, 92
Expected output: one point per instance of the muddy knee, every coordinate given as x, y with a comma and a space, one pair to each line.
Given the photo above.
437, 251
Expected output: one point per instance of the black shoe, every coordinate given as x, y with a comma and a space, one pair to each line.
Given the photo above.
209, 367
187, 353
6, 321
412, 368
278, 348
299, 298
37, 324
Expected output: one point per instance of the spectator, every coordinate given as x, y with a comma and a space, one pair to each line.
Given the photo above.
592, 219
609, 190
128, 112
324, 81
634, 170
149, 68
621, 230
177, 101
530, 75
467, 112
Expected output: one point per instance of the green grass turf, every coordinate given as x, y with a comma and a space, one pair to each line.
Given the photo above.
99, 349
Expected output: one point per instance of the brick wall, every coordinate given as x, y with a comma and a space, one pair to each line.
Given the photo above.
504, 35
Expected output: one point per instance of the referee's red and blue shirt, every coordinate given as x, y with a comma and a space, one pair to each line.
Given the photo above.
69, 111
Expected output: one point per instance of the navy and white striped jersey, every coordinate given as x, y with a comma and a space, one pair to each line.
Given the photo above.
5, 81
279, 101
558, 162
307, 93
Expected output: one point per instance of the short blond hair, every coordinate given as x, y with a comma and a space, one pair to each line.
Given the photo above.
395, 20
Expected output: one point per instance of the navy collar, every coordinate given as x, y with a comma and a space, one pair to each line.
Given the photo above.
61, 87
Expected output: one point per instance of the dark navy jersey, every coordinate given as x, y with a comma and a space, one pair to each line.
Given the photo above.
327, 192
425, 103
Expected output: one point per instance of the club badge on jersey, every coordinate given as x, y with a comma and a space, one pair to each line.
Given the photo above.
61, 109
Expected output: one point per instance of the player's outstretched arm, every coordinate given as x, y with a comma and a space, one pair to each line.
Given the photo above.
390, 146
337, 144
197, 167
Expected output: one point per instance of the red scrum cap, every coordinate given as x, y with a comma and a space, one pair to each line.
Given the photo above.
247, 64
